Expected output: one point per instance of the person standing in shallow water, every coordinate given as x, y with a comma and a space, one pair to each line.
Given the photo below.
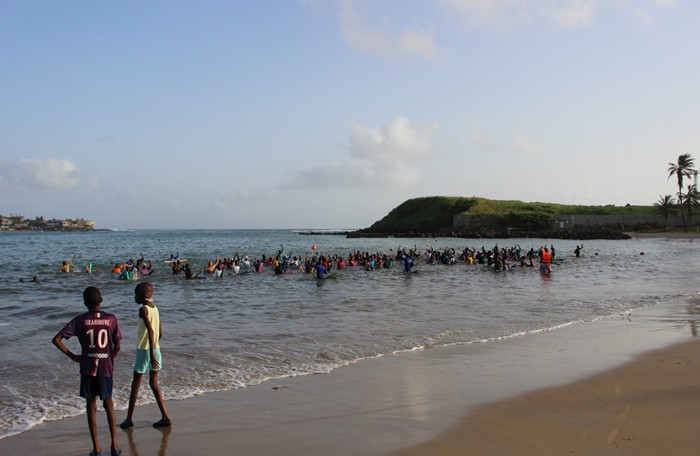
148, 355
99, 336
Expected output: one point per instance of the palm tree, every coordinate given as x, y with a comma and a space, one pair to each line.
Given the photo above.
665, 206
684, 168
691, 199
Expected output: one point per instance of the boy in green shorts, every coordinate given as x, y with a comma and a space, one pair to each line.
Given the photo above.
147, 354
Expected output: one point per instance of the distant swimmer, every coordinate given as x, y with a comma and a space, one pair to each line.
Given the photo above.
210, 268
128, 274
408, 263
320, 270
189, 274
280, 262
65, 267
220, 269
578, 249
146, 268
177, 266
34, 279
546, 261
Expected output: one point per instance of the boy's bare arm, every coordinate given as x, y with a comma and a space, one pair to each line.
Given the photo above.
116, 348
58, 342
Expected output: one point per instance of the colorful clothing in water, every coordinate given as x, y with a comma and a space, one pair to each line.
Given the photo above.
321, 270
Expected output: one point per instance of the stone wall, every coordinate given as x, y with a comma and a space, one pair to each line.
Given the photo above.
570, 221
567, 222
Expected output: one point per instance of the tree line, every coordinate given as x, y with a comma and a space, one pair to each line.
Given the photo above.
684, 202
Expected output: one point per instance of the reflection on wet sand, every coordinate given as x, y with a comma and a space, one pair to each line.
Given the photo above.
162, 449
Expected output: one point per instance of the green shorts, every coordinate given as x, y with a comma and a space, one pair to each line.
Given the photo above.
143, 360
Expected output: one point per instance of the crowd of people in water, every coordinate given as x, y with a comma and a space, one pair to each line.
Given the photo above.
320, 265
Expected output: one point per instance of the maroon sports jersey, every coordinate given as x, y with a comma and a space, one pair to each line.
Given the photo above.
97, 333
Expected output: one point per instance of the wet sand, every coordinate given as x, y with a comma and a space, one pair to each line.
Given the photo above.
647, 407
436, 398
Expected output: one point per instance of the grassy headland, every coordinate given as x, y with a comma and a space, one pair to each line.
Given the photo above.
434, 215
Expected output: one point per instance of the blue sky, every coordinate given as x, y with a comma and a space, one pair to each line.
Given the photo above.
328, 114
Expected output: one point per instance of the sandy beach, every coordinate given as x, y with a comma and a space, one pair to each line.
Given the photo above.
449, 400
646, 407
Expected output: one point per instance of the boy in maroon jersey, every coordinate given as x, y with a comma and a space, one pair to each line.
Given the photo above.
99, 336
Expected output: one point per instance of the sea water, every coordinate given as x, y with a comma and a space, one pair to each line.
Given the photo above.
231, 332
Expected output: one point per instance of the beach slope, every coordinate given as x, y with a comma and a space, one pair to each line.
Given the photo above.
649, 406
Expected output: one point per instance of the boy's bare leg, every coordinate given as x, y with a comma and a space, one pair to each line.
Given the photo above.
164, 418
91, 407
112, 421
135, 385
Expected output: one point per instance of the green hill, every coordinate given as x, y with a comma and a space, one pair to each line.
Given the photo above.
434, 214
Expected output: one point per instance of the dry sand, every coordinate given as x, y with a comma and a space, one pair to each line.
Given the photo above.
379, 406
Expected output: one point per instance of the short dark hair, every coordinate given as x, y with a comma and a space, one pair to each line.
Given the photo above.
92, 297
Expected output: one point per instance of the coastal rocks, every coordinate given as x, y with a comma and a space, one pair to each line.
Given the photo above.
583, 233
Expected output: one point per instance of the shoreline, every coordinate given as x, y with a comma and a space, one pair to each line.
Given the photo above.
622, 235
380, 405
668, 235
645, 407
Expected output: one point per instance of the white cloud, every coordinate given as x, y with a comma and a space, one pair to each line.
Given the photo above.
248, 194
359, 174
520, 142
570, 14
372, 27
92, 182
134, 192
498, 14
398, 140
525, 145
46, 173
481, 141
380, 158
647, 11
361, 36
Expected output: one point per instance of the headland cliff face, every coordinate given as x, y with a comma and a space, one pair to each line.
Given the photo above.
481, 218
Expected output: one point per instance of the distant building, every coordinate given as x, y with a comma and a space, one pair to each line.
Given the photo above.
19, 223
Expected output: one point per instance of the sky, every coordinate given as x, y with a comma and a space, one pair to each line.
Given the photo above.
330, 113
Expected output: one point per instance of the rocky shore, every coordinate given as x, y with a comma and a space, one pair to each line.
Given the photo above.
584, 233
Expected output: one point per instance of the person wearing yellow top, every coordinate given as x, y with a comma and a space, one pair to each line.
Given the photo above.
65, 267
148, 355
